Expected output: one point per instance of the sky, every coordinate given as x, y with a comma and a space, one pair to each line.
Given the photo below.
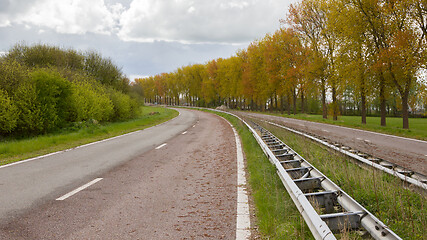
143, 37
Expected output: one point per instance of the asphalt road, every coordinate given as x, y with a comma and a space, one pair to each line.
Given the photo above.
406, 152
173, 181
26, 184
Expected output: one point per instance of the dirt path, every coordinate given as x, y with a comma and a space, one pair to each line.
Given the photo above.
183, 190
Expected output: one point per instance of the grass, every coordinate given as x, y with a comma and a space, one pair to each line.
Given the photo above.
387, 197
16, 150
417, 126
277, 216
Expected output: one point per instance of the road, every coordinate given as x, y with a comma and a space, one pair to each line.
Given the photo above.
177, 180
409, 153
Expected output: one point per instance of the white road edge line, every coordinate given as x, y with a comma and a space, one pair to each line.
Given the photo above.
164, 144
243, 220
78, 189
360, 130
184, 133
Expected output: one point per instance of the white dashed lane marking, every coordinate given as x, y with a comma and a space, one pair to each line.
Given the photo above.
78, 189
164, 144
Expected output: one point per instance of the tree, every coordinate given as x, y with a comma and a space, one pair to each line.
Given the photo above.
305, 19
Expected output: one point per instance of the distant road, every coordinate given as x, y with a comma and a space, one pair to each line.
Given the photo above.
406, 152
177, 180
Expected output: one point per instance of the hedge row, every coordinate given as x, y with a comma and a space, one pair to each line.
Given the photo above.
35, 100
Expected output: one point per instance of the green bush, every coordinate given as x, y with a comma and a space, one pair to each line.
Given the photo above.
125, 107
44, 88
53, 97
12, 74
8, 113
90, 101
29, 112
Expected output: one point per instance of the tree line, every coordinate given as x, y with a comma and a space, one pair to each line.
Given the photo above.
330, 57
44, 88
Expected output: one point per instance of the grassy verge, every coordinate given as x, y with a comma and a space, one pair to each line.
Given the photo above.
417, 126
277, 216
387, 197
15, 150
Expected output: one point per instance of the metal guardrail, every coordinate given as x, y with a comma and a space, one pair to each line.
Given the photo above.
311, 190
404, 174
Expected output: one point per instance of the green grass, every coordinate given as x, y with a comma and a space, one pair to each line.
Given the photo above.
276, 214
417, 126
387, 197
15, 150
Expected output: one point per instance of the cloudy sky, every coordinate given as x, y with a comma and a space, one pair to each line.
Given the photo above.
144, 37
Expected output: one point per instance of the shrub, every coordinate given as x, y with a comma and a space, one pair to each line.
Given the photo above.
8, 113
90, 101
12, 74
29, 119
122, 106
53, 97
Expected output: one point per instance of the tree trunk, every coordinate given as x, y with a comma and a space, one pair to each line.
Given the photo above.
275, 100
334, 104
405, 112
281, 105
324, 108
302, 101
383, 106
294, 94
289, 105
363, 107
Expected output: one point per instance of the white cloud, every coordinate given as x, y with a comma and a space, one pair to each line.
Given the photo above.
184, 21
66, 16
220, 21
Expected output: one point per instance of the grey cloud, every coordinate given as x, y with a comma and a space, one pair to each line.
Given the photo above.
200, 21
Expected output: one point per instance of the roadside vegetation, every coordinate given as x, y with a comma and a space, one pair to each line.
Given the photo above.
81, 133
276, 214
53, 99
400, 207
418, 128
45, 88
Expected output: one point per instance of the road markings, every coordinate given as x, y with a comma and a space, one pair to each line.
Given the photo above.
355, 129
325, 130
368, 141
359, 139
184, 133
78, 189
85, 145
243, 220
164, 144
194, 125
